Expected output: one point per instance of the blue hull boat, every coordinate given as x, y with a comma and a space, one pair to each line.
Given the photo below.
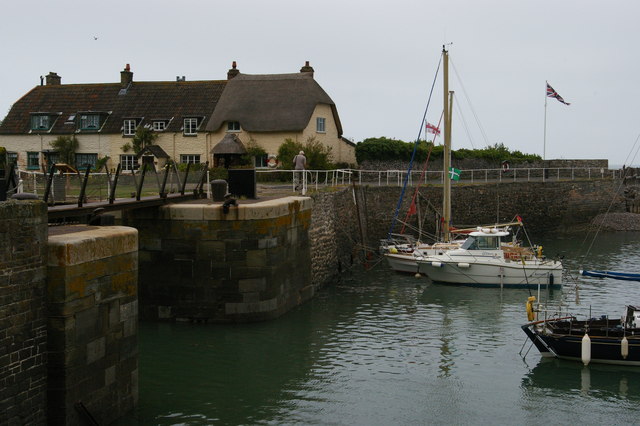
610, 274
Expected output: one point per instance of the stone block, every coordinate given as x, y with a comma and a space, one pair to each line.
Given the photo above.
256, 258
96, 350
252, 285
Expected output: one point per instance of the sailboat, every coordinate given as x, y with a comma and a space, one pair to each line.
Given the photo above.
486, 258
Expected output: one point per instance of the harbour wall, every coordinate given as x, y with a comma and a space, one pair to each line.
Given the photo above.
544, 206
68, 319
23, 317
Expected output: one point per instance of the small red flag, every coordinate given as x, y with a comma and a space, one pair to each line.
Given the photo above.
432, 129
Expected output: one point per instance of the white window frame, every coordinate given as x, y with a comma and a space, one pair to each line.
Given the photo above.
190, 158
159, 126
190, 126
233, 126
321, 125
129, 162
129, 127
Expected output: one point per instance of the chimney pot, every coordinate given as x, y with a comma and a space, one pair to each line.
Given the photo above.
126, 76
307, 68
233, 71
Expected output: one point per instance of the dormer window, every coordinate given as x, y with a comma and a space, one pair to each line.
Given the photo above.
129, 127
190, 126
159, 125
320, 125
41, 122
90, 122
233, 126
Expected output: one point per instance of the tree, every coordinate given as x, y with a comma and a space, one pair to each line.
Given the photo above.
143, 137
66, 147
318, 155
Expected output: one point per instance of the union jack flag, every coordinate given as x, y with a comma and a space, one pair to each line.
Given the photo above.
553, 94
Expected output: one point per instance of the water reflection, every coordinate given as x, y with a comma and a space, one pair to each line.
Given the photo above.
559, 377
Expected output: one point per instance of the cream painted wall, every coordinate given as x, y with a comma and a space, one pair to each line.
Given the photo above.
176, 144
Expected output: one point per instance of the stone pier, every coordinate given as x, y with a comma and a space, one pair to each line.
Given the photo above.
92, 278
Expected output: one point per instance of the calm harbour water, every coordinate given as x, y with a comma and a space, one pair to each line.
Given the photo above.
380, 348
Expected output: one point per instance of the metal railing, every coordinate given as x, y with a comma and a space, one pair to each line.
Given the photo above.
318, 178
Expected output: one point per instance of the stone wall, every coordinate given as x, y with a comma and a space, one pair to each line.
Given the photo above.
23, 320
200, 264
93, 322
544, 206
334, 234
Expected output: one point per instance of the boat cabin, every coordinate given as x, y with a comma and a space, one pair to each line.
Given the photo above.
632, 317
484, 239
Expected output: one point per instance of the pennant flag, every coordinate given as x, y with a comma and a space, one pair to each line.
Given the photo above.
432, 129
454, 174
553, 94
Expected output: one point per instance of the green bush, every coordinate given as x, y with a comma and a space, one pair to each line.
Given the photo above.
318, 155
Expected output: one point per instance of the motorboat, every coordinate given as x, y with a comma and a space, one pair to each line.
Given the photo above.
488, 259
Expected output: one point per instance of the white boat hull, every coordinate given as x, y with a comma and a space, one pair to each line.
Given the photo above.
402, 262
491, 271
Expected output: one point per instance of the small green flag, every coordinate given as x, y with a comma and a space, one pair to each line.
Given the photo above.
454, 174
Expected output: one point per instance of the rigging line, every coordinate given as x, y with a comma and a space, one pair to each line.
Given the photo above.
424, 170
464, 124
616, 192
413, 154
473, 111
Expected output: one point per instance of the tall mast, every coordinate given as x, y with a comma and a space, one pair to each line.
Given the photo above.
446, 204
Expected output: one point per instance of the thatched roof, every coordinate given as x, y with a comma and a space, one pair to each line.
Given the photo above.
230, 144
270, 103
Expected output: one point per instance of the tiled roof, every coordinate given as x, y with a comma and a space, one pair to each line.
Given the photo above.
148, 101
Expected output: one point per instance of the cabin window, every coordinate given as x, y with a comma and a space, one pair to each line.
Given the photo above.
129, 162
190, 126
190, 158
129, 127
89, 122
320, 125
33, 160
84, 160
488, 243
40, 122
233, 126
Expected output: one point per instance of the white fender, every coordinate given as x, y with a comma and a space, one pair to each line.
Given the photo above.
624, 347
586, 349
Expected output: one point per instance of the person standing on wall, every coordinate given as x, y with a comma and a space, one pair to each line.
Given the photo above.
299, 163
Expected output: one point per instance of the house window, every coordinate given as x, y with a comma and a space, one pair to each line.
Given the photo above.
233, 126
261, 160
89, 122
190, 158
12, 158
190, 126
159, 126
40, 122
84, 160
33, 160
129, 127
129, 162
320, 128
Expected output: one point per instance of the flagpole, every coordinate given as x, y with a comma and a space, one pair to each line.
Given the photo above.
544, 143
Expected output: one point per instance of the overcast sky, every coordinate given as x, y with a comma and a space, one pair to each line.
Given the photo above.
376, 59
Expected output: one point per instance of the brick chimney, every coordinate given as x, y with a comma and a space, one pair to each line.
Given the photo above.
307, 68
233, 71
53, 79
126, 76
